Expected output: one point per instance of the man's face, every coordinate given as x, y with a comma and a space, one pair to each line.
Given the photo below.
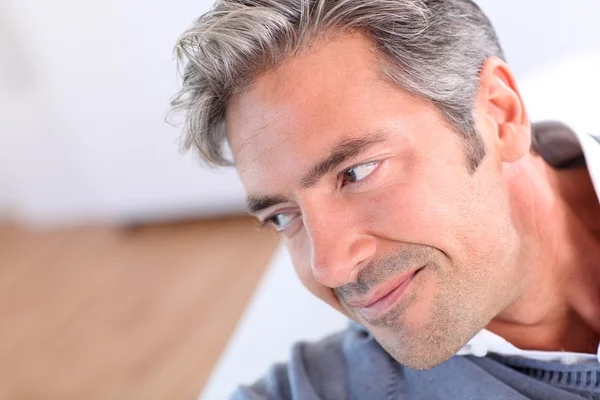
370, 188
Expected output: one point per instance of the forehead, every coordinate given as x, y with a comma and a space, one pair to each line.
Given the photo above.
289, 117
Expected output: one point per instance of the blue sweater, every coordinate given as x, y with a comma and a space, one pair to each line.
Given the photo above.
351, 365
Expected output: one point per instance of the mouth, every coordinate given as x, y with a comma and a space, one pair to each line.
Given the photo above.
383, 299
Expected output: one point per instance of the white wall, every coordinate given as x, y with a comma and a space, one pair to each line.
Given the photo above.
86, 137
85, 86
538, 33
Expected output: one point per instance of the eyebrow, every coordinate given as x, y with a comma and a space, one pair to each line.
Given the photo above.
257, 203
342, 151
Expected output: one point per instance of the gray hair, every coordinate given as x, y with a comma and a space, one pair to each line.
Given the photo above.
433, 49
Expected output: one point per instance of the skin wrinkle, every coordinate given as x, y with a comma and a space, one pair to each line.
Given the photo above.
263, 152
248, 141
271, 121
370, 276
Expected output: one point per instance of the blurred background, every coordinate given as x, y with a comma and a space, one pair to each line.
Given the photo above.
125, 265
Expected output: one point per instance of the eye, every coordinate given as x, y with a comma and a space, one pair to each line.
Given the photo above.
280, 221
359, 172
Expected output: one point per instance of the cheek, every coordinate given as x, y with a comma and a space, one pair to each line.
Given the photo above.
414, 212
457, 216
300, 254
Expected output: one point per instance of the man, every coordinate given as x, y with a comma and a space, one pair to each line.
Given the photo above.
387, 141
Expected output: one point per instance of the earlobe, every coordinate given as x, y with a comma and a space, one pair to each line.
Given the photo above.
505, 109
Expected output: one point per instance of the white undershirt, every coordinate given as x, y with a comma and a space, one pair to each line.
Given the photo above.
488, 342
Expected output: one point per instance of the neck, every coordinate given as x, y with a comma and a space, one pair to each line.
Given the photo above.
560, 306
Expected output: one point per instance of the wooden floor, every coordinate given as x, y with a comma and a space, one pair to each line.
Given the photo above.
112, 313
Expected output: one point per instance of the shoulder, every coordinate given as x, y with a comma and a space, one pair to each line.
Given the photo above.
318, 370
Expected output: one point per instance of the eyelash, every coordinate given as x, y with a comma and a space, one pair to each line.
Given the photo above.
267, 221
365, 179
271, 220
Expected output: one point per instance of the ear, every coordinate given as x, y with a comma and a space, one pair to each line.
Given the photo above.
500, 102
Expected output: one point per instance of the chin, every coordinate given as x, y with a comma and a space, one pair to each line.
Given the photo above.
422, 363
421, 352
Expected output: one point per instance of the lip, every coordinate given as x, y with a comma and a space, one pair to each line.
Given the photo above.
383, 298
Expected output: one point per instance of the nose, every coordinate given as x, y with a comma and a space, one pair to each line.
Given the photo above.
338, 242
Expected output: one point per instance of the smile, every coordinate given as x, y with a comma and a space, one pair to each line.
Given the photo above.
385, 298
